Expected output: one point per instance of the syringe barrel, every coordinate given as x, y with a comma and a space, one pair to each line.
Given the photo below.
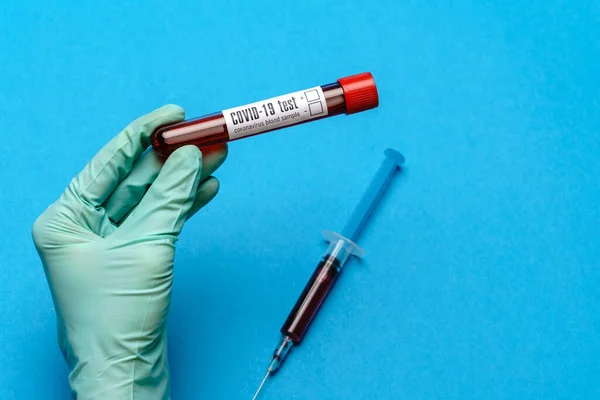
311, 299
347, 95
319, 285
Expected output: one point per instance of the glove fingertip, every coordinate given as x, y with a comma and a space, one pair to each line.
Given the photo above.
189, 154
171, 109
210, 185
145, 125
206, 192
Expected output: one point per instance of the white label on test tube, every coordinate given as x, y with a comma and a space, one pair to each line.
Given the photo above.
275, 113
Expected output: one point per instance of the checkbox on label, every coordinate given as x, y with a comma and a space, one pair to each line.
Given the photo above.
311, 95
315, 108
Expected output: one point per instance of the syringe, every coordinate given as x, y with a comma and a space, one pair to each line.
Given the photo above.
340, 249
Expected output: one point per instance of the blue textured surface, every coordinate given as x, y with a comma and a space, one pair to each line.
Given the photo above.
481, 278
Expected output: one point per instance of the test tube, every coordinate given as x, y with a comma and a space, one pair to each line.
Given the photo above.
348, 95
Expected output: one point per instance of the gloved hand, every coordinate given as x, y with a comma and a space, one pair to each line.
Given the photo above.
107, 246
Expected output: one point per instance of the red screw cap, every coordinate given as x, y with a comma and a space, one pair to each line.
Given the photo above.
360, 92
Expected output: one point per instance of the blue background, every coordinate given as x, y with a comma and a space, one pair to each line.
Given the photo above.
481, 278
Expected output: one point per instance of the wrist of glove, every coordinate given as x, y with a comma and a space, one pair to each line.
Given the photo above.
107, 367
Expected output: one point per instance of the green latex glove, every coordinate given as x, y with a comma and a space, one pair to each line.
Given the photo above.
107, 246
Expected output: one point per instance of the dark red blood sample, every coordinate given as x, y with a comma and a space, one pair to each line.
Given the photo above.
311, 299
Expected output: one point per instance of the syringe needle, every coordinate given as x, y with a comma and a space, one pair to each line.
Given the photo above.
261, 385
